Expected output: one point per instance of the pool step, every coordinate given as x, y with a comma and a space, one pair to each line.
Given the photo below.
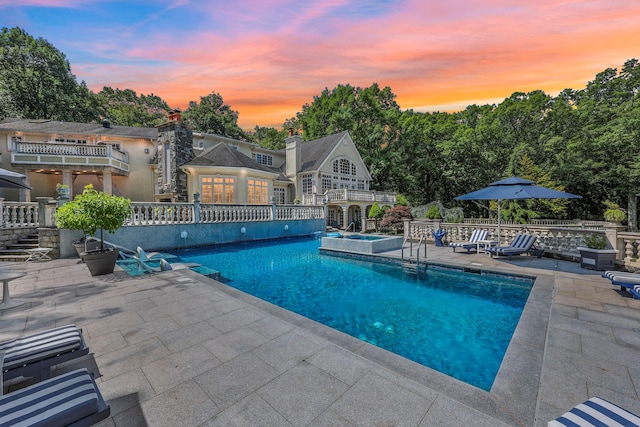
414, 269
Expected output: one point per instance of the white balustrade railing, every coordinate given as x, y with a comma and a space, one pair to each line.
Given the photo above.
234, 213
292, 212
160, 213
181, 213
82, 150
19, 214
346, 194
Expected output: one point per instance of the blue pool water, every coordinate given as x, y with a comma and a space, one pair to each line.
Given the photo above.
457, 323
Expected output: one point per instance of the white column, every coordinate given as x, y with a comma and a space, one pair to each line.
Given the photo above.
345, 217
67, 179
107, 185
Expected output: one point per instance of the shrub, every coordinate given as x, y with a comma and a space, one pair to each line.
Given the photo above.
613, 213
594, 241
401, 200
433, 212
375, 211
395, 217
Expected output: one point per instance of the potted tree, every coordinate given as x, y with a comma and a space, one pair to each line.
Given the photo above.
92, 211
595, 255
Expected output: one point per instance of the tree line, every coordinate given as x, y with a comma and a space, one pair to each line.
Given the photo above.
584, 141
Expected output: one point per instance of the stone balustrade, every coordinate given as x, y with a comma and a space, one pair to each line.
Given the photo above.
562, 240
185, 213
19, 214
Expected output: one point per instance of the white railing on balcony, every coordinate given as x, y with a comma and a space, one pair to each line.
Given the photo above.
69, 153
346, 194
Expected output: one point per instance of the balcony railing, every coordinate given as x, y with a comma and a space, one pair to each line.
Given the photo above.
53, 153
347, 195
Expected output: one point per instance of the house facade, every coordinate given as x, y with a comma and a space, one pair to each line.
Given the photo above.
171, 163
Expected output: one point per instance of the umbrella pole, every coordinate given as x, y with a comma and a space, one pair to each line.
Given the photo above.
499, 222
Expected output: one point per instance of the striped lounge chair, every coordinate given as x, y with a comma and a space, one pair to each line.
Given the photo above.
522, 243
627, 281
35, 355
476, 236
71, 399
596, 412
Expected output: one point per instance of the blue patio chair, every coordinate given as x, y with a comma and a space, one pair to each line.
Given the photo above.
522, 243
596, 412
476, 236
34, 355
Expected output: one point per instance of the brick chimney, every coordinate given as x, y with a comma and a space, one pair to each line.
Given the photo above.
175, 116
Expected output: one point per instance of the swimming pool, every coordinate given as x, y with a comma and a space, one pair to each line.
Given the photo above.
457, 323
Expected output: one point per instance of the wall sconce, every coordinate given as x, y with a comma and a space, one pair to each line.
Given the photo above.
184, 235
286, 227
243, 230
146, 151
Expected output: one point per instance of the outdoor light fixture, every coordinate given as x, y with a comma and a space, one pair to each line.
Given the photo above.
286, 227
243, 230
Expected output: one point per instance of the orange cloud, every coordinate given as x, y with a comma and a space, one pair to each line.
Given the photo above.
267, 59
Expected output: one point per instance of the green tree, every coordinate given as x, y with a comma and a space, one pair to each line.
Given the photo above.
36, 81
212, 115
125, 108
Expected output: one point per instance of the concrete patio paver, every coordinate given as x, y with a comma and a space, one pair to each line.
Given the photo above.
176, 348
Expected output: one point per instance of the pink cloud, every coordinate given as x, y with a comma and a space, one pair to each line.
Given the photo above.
269, 58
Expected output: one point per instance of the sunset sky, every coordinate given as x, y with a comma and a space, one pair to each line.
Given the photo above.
269, 57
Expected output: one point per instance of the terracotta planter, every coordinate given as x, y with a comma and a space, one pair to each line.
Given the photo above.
100, 263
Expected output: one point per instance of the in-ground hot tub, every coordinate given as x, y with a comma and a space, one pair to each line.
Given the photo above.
364, 243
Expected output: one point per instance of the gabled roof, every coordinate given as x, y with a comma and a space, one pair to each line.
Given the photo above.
222, 155
54, 126
314, 152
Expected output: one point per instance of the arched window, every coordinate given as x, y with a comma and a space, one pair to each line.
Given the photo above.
344, 167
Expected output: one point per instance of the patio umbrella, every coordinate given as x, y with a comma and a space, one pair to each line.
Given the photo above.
10, 179
514, 188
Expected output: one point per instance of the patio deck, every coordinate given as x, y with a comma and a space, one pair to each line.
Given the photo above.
176, 348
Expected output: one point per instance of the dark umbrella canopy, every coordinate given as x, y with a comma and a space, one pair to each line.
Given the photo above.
10, 179
514, 188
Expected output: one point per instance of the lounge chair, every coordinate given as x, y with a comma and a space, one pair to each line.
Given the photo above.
596, 412
167, 266
476, 236
146, 267
71, 399
627, 281
522, 243
35, 355
148, 256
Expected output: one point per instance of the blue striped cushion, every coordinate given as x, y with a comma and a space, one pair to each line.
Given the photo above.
596, 412
478, 235
610, 274
24, 350
58, 401
519, 243
473, 240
